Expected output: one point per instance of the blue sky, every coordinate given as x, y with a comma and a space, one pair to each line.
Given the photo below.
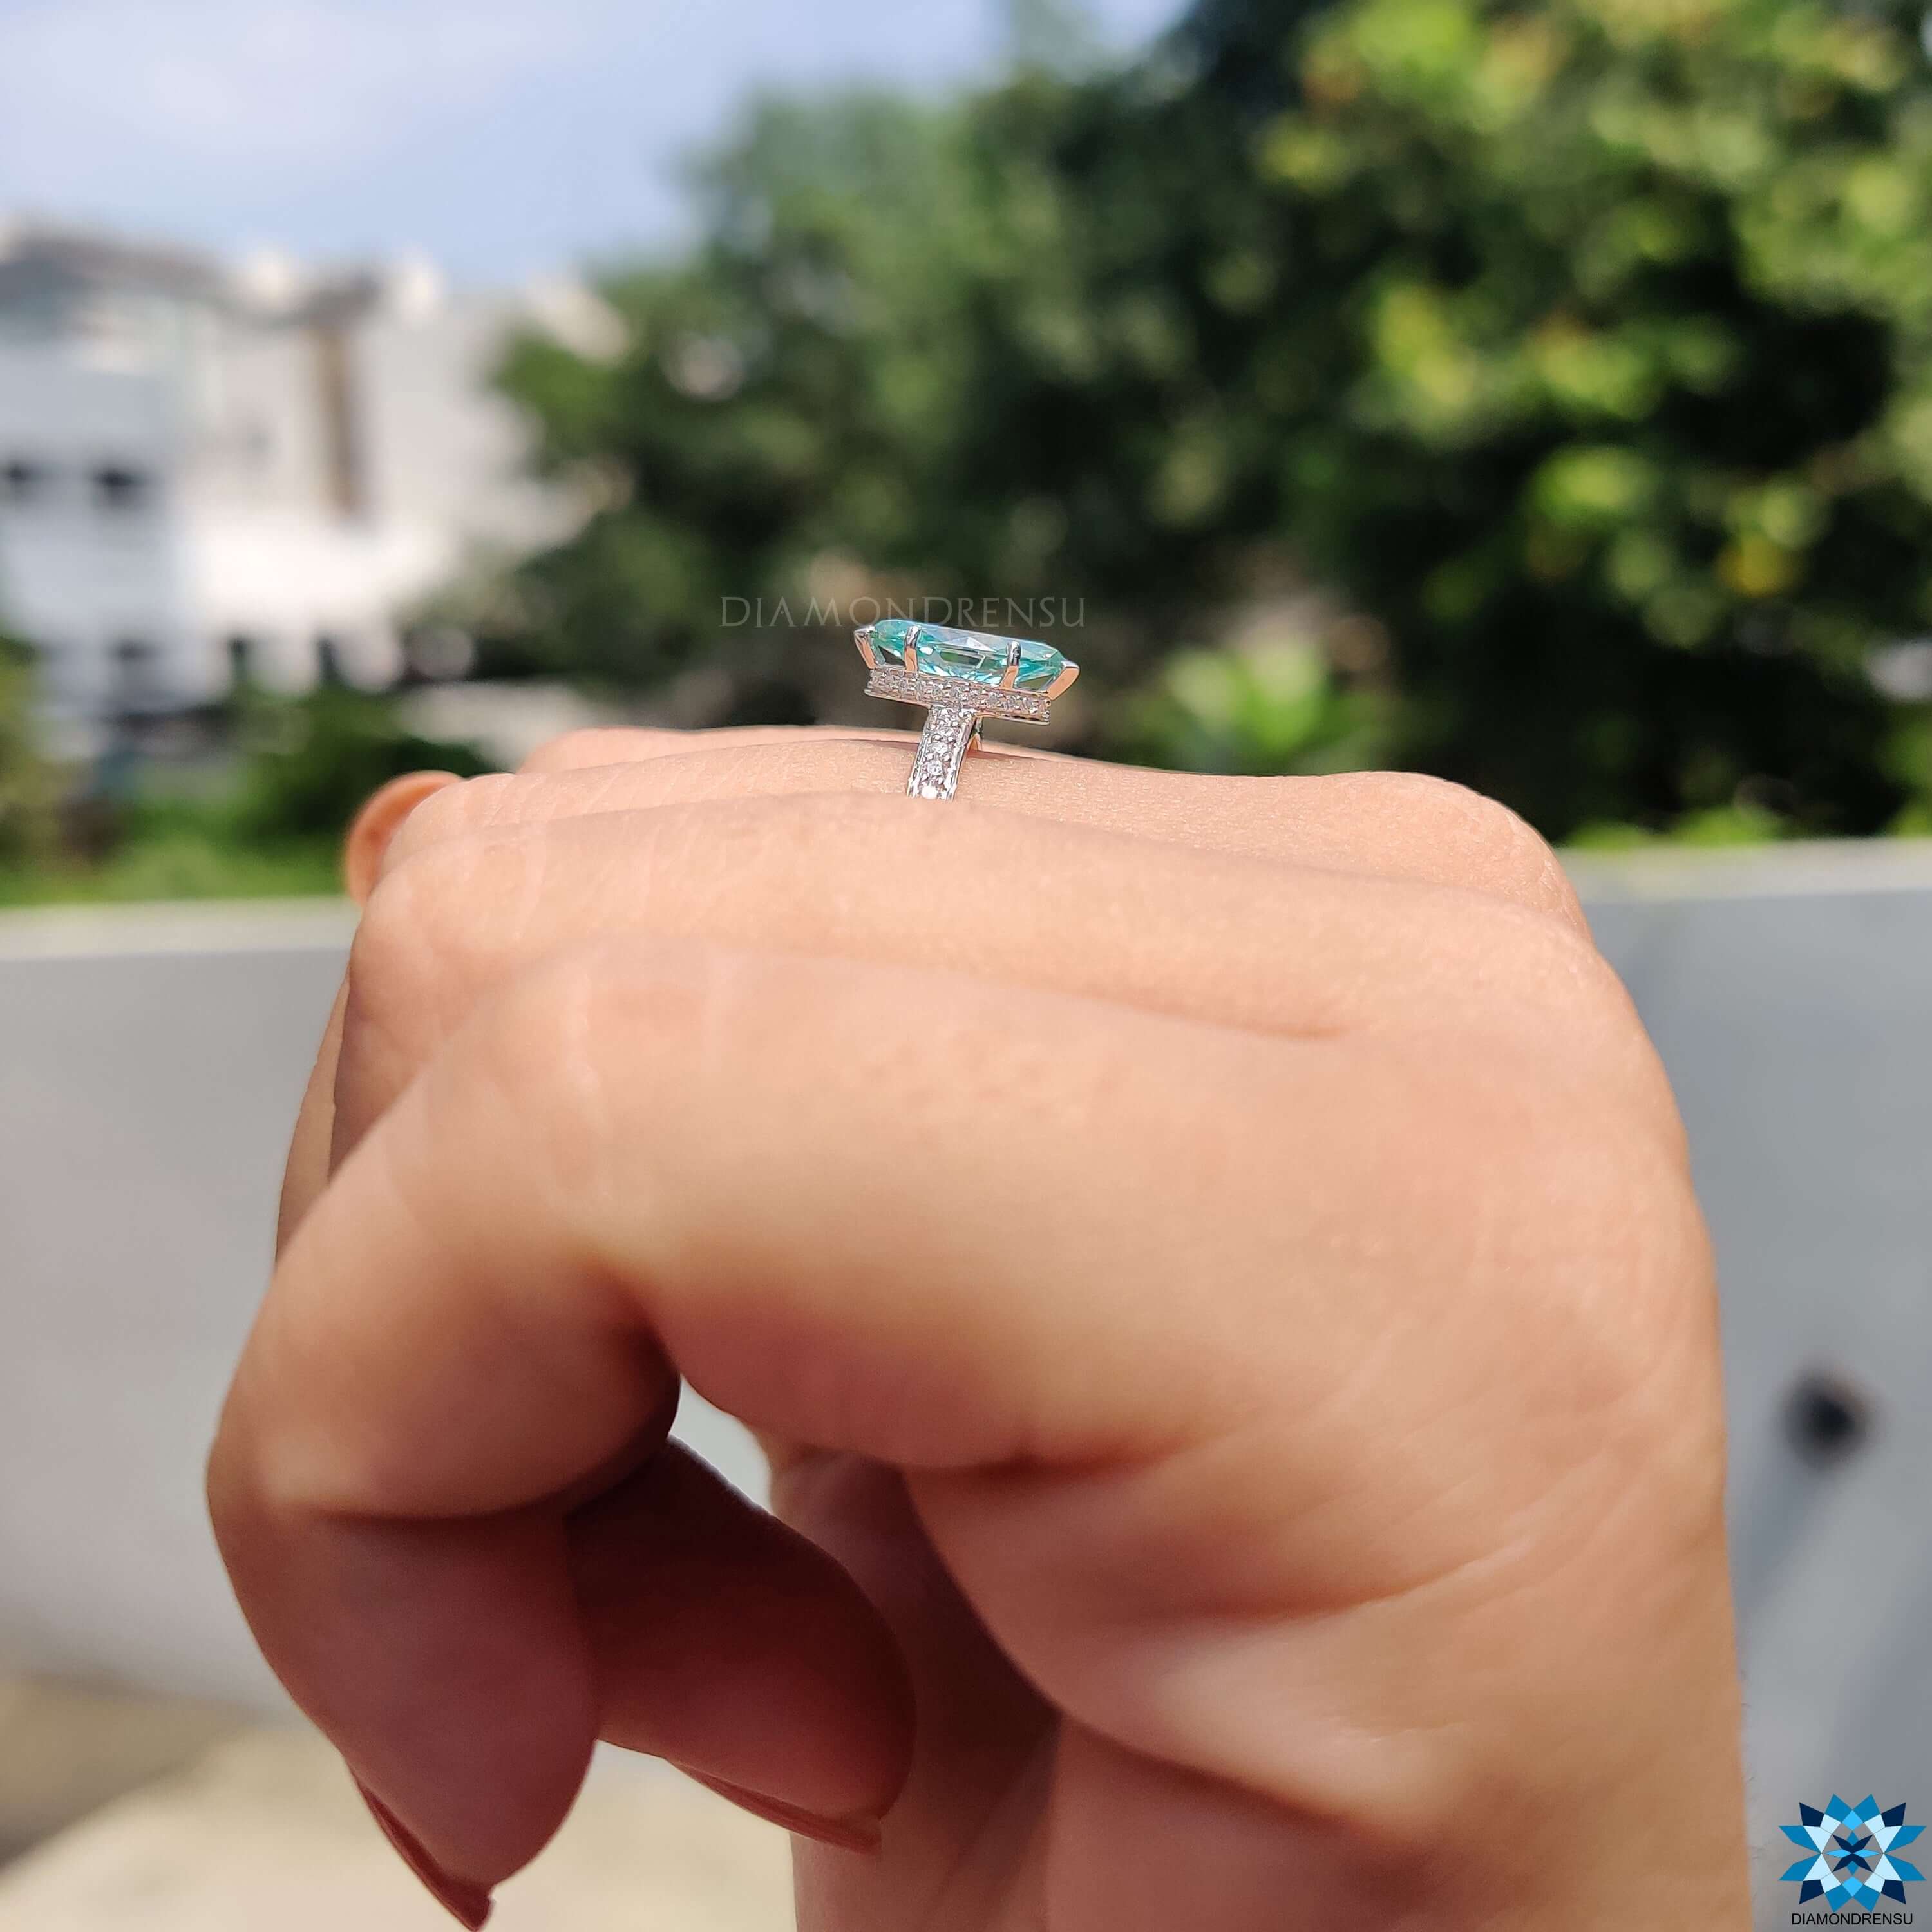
504, 137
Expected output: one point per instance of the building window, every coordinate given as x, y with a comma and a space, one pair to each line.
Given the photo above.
24, 481
119, 486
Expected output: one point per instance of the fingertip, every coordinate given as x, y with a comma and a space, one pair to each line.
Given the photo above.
377, 823
469, 1903
860, 1831
444, 1661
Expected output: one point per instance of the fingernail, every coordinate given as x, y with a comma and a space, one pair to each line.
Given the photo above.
856, 1833
469, 1903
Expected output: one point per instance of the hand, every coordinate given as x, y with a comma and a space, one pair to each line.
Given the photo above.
1212, 1261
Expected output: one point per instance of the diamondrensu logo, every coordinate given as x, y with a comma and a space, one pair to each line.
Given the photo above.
1851, 1858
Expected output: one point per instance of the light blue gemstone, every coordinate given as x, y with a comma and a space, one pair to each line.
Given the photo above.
938, 650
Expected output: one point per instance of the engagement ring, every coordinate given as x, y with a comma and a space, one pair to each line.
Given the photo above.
960, 676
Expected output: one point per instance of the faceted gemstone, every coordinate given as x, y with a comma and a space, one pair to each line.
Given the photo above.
939, 651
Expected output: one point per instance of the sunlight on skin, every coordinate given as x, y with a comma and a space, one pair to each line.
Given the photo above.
1246, 1406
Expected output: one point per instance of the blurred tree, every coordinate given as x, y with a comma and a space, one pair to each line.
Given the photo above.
800, 417
272, 829
1596, 361
1585, 347
1053, 37
1271, 707
312, 761
27, 795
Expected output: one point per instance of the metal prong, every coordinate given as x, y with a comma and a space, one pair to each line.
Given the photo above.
1060, 683
862, 637
1010, 677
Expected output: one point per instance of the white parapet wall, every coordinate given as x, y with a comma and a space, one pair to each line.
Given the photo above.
1790, 991
151, 1061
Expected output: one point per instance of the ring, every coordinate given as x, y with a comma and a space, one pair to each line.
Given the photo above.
960, 677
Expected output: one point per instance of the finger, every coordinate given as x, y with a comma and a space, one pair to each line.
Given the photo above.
769, 1168
1391, 824
729, 1645
368, 840
376, 824
371, 1560
306, 1172
672, 1617
1215, 936
668, 1615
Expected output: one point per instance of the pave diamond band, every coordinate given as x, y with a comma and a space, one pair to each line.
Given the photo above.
942, 745
960, 676
910, 688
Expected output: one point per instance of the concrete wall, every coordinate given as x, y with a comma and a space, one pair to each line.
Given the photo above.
1790, 993
150, 1063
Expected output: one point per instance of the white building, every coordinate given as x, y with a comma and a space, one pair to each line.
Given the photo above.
204, 472
91, 561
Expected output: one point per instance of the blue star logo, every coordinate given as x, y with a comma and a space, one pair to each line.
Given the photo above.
1850, 1852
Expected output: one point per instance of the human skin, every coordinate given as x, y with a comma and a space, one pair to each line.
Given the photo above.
1212, 1262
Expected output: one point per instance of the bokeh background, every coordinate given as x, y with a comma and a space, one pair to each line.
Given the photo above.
1537, 393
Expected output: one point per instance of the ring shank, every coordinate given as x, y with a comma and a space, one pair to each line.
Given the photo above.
949, 729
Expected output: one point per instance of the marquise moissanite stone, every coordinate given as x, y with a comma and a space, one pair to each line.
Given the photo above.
938, 650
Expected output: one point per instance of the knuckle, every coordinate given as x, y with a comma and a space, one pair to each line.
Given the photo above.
382, 972
1501, 851
387, 936
449, 814
1535, 946
1581, 1195
424, 948
1554, 995
536, 1026
411, 926
1448, 803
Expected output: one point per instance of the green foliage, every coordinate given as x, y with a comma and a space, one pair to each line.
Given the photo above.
1586, 346
803, 396
273, 828
1742, 823
1621, 315
178, 850
27, 790
1274, 707
312, 761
